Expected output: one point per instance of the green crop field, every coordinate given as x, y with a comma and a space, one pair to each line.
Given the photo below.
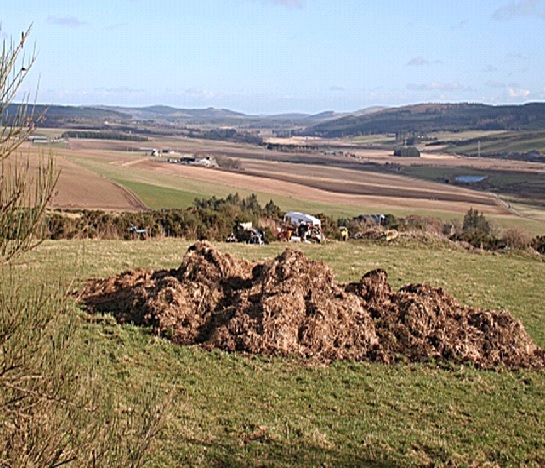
504, 142
235, 410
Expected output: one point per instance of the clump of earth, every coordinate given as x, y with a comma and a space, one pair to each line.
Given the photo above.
293, 306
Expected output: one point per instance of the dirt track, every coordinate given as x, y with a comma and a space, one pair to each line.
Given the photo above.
82, 188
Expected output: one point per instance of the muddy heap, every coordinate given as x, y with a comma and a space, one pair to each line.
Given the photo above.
292, 306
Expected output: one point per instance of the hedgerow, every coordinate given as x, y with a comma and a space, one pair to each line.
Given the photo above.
211, 219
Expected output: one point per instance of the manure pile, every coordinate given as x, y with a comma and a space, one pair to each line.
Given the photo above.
292, 306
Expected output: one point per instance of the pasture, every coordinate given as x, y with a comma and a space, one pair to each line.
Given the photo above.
232, 409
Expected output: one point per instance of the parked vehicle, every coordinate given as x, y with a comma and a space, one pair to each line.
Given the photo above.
245, 232
301, 227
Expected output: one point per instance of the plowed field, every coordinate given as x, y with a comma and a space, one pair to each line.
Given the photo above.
90, 167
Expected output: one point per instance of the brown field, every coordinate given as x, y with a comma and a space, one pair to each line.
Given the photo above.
81, 188
313, 176
337, 186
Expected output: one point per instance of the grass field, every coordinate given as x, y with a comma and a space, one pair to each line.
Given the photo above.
470, 141
235, 410
501, 142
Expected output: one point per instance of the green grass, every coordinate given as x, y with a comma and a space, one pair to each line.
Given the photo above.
378, 140
157, 197
235, 410
160, 197
497, 142
467, 135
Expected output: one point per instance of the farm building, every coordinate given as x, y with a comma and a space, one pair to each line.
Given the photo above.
407, 152
38, 139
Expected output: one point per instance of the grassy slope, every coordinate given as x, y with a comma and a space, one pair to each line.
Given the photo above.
506, 142
238, 410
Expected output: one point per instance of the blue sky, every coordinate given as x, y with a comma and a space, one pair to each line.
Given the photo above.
276, 56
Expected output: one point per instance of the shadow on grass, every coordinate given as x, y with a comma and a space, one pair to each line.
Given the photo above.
270, 453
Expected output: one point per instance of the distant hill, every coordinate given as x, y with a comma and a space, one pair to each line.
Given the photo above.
173, 114
369, 110
423, 118
73, 116
60, 116
327, 116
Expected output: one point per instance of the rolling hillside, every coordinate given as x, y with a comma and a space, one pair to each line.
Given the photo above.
67, 116
425, 118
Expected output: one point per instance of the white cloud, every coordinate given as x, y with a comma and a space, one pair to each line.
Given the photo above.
68, 21
518, 92
417, 62
421, 62
435, 86
534, 8
199, 93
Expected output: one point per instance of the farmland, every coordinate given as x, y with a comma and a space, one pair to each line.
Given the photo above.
247, 410
123, 384
153, 313
331, 179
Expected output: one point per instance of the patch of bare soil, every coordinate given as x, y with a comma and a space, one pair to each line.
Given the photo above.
81, 188
292, 306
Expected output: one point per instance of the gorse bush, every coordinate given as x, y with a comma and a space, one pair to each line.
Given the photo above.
538, 243
475, 222
477, 232
214, 218
211, 219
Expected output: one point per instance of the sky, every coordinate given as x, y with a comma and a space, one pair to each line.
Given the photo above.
280, 56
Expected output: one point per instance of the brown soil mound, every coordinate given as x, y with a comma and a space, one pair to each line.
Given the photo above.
293, 306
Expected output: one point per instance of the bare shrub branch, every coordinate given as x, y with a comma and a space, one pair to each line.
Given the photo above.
25, 188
